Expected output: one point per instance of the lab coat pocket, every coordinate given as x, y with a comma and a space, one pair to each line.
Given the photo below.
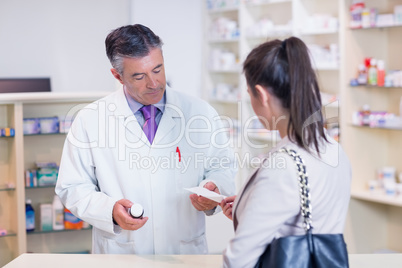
111, 246
197, 245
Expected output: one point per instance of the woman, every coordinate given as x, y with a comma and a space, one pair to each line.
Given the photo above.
285, 96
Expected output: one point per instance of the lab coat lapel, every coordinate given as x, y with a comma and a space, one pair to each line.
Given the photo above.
130, 121
166, 124
172, 110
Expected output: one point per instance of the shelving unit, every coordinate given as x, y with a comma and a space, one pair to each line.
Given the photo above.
19, 153
257, 22
375, 219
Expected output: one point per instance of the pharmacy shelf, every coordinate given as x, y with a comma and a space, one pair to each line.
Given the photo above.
40, 187
265, 38
9, 234
374, 87
371, 28
7, 189
320, 32
370, 148
266, 3
20, 152
377, 197
50, 97
223, 10
58, 231
46, 134
384, 128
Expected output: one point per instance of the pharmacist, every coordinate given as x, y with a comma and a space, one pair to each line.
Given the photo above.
144, 144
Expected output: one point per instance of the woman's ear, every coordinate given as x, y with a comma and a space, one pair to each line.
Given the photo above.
262, 95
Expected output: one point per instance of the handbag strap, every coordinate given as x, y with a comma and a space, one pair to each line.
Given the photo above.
305, 203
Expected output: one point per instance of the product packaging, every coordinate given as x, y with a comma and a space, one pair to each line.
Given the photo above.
71, 221
46, 222
29, 216
47, 176
31, 126
47, 173
7, 132
49, 125
31, 179
356, 15
58, 214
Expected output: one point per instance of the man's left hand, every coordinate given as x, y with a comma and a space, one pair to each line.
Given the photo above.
201, 203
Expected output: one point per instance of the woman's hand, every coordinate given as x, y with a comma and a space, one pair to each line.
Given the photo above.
227, 205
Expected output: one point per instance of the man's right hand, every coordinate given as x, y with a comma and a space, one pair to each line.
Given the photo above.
123, 219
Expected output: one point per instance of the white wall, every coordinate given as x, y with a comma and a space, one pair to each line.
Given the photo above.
63, 40
179, 23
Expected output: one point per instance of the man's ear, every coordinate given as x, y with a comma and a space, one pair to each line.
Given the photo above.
117, 75
262, 95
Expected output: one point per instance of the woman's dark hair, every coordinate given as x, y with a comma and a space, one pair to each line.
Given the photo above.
284, 69
133, 41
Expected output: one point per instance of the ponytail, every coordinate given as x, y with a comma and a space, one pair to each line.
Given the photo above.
305, 121
284, 68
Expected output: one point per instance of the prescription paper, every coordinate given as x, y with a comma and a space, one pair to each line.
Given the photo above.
206, 193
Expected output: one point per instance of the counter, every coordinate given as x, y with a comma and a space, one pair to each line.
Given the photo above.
167, 261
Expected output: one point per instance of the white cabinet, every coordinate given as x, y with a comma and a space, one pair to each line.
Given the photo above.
19, 153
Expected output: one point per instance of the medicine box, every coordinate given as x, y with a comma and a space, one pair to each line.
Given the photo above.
49, 125
31, 126
46, 217
47, 176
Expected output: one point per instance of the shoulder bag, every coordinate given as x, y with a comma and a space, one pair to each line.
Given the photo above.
309, 250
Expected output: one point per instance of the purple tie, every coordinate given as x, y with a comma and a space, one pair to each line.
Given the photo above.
150, 126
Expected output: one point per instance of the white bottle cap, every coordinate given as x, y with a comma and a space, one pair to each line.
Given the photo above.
136, 211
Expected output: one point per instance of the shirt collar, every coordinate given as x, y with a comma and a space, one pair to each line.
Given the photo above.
135, 105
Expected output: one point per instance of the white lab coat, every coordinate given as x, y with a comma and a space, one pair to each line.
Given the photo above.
107, 157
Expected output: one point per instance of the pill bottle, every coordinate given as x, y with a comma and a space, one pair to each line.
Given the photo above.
136, 211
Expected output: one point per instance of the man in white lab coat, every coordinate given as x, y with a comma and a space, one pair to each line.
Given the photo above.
144, 144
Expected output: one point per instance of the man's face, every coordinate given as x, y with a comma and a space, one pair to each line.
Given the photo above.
144, 78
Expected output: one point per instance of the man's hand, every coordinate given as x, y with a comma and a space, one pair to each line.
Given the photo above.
227, 206
201, 203
123, 219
